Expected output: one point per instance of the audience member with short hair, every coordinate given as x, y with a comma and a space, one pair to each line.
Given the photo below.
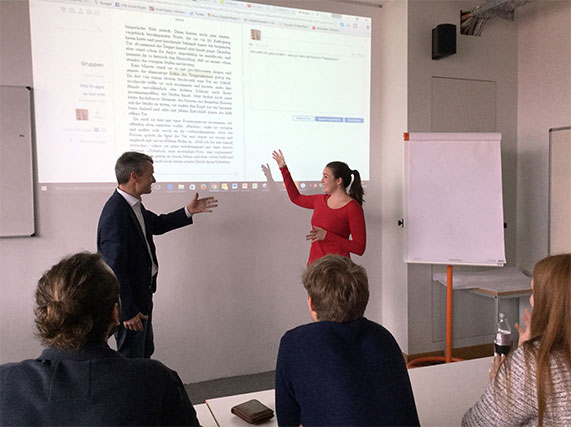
532, 386
78, 379
342, 369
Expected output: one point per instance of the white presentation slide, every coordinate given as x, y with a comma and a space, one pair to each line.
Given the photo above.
208, 88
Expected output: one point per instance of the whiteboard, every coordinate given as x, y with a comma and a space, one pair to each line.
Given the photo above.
453, 202
16, 173
560, 190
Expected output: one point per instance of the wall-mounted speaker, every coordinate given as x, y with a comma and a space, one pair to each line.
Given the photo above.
443, 41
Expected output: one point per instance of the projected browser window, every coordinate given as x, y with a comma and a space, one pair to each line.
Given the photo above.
207, 88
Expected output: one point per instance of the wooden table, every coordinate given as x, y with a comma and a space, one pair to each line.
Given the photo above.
507, 284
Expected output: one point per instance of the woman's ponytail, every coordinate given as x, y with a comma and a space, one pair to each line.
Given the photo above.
356, 191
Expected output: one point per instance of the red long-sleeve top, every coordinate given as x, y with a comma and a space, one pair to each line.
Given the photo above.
340, 223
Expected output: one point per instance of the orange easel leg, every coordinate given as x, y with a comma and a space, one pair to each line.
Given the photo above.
431, 360
448, 314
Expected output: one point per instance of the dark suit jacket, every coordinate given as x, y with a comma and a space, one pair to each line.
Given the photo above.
121, 242
342, 374
95, 386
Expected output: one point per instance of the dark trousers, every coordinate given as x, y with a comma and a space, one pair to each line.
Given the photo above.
134, 344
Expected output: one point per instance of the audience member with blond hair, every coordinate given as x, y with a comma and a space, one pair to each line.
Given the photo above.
532, 386
342, 369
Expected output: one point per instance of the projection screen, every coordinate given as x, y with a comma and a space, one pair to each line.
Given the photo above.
207, 88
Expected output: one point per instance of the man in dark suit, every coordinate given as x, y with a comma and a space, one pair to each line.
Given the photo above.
125, 239
342, 369
78, 379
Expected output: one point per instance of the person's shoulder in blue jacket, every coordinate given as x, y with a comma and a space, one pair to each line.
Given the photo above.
342, 369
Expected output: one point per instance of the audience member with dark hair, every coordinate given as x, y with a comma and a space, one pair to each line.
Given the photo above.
532, 385
337, 215
78, 379
342, 369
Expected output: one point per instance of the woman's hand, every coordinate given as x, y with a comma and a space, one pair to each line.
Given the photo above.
525, 331
279, 158
316, 234
496, 363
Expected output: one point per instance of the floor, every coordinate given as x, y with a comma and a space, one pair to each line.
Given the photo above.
199, 392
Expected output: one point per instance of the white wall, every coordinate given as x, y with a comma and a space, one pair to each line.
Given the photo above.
393, 113
491, 57
229, 284
529, 60
19, 270
544, 102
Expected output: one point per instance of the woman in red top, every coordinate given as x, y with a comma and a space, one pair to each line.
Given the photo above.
336, 214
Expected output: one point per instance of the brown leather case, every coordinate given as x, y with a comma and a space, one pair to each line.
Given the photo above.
253, 411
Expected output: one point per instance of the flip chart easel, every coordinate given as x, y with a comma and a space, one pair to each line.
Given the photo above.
453, 204
559, 225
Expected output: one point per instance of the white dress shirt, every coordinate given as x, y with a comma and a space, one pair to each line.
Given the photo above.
136, 206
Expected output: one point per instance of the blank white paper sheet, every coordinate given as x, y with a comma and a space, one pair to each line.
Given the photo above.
453, 199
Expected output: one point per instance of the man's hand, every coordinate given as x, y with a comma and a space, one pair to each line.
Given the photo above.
135, 323
197, 205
